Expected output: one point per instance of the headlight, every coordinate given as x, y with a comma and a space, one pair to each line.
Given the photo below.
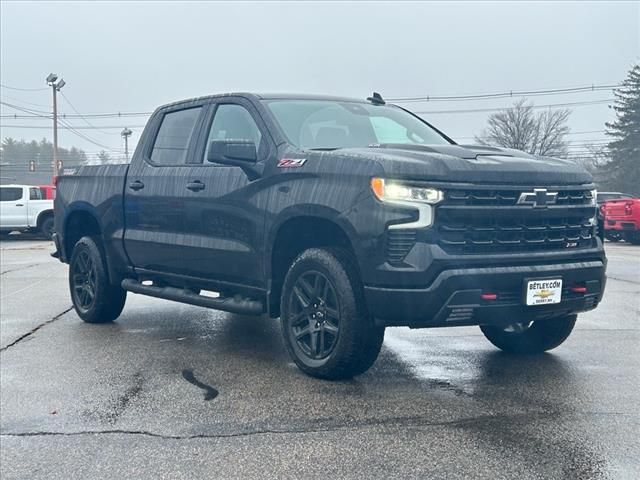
594, 197
392, 191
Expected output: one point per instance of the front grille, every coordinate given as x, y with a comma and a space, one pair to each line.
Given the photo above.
491, 221
510, 197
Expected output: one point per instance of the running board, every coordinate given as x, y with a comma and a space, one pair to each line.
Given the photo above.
240, 305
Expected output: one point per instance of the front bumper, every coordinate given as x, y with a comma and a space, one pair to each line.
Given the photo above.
454, 297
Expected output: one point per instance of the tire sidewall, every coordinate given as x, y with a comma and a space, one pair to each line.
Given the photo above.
324, 262
87, 244
540, 336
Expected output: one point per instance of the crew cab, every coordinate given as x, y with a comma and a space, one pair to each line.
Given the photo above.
339, 216
24, 208
622, 220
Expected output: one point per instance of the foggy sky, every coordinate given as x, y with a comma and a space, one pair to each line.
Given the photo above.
135, 56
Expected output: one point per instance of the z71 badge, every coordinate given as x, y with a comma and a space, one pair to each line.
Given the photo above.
291, 162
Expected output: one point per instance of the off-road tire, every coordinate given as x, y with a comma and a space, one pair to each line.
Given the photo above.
107, 300
358, 340
540, 336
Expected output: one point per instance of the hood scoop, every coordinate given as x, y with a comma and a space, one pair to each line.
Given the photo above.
467, 152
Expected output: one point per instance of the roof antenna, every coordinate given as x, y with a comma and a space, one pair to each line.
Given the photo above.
376, 99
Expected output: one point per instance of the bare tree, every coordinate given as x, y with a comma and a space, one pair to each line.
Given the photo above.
520, 128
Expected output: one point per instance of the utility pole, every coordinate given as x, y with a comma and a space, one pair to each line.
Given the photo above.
126, 133
56, 85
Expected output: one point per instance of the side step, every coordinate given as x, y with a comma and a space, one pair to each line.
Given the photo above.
243, 306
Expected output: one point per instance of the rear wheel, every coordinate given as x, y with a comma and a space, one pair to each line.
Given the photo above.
94, 298
47, 228
530, 337
325, 325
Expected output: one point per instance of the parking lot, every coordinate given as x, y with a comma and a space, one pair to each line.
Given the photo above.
174, 391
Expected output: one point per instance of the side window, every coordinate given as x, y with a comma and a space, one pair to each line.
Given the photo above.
172, 142
233, 122
35, 194
10, 194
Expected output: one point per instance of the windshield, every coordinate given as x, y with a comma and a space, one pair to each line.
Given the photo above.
327, 124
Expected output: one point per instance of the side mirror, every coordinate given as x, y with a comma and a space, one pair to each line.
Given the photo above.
240, 153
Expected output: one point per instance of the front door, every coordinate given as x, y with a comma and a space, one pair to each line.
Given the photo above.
226, 216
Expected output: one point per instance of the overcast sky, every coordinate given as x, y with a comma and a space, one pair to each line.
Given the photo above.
132, 57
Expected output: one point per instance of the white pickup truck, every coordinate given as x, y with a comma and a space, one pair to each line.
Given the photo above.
24, 208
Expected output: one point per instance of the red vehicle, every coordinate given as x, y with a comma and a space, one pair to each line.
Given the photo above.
48, 192
622, 220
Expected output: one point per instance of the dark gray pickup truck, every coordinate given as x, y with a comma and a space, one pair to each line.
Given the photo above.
339, 216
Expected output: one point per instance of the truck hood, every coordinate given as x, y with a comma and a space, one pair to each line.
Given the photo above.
469, 163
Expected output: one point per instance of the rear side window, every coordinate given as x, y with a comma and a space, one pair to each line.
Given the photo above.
35, 194
10, 194
174, 135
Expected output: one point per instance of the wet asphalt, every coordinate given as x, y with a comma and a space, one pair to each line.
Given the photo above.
174, 391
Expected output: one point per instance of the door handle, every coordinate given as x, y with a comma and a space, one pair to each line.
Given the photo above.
195, 186
19, 204
137, 185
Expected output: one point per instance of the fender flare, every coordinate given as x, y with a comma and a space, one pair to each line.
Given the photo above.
305, 211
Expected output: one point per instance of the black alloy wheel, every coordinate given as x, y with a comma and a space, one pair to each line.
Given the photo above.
95, 298
315, 315
84, 280
325, 324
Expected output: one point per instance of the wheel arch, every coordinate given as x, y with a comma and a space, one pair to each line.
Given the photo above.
42, 216
81, 220
297, 231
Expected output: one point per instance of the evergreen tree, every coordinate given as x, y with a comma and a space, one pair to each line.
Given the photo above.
20, 152
623, 171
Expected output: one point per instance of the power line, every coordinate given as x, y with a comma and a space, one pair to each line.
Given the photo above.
84, 119
86, 137
79, 127
509, 94
24, 89
486, 110
467, 137
24, 101
33, 112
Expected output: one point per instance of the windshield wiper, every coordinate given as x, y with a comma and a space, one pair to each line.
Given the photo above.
324, 149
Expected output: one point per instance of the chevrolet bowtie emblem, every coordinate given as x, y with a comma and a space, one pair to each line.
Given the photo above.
540, 197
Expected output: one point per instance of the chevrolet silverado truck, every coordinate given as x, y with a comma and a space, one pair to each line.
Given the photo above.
622, 220
339, 216
25, 208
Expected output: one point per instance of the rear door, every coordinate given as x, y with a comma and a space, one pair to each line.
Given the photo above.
13, 207
158, 230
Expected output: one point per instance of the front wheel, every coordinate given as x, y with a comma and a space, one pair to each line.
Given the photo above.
325, 325
613, 236
530, 337
94, 298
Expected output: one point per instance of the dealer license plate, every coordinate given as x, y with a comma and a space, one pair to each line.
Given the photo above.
544, 292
